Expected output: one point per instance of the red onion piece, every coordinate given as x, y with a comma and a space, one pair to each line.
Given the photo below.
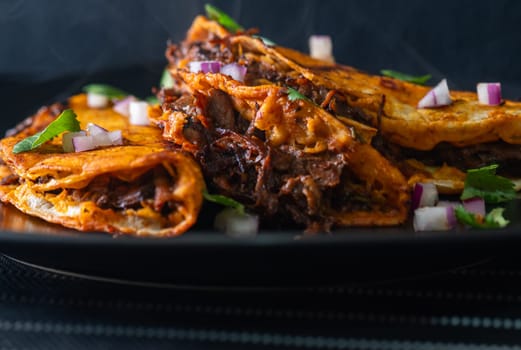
205, 66
424, 195
437, 97
139, 113
67, 140
98, 137
83, 143
123, 106
489, 93
321, 47
451, 216
97, 100
95, 129
100, 140
115, 137
235, 70
434, 219
475, 206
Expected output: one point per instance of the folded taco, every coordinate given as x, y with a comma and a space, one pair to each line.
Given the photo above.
427, 144
283, 157
141, 187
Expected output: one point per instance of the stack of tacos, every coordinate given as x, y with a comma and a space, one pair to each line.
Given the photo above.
299, 141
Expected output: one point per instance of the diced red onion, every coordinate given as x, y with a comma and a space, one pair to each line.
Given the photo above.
235, 70
475, 206
437, 97
67, 140
321, 47
424, 195
95, 129
489, 93
97, 100
101, 140
434, 219
115, 137
123, 106
451, 216
98, 137
139, 113
83, 143
236, 224
205, 66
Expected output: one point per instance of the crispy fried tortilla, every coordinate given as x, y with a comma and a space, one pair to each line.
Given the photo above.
143, 187
423, 143
287, 160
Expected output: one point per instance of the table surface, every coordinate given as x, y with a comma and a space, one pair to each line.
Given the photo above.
470, 307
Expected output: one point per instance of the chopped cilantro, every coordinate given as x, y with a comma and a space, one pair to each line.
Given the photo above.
166, 80
225, 201
294, 95
421, 80
105, 90
66, 121
222, 18
484, 183
494, 219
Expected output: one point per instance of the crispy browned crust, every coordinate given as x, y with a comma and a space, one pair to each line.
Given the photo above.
464, 122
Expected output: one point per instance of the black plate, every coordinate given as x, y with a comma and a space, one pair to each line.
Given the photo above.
204, 257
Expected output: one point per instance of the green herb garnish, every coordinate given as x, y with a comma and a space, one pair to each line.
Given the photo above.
66, 121
225, 201
105, 90
294, 95
421, 80
166, 81
222, 18
494, 219
484, 183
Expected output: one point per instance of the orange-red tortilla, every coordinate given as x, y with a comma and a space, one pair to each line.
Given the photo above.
65, 188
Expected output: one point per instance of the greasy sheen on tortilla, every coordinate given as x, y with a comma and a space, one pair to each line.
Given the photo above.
288, 160
144, 187
427, 144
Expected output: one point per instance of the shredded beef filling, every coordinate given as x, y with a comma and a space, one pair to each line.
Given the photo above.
475, 156
284, 182
507, 156
112, 193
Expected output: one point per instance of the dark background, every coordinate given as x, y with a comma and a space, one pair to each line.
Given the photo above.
41, 41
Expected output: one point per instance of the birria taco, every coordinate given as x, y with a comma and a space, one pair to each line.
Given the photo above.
141, 187
426, 144
287, 159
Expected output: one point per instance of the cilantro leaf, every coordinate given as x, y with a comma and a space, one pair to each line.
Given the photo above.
484, 183
294, 95
494, 219
420, 80
66, 121
105, 90
225, 201
222, 18
166, 80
